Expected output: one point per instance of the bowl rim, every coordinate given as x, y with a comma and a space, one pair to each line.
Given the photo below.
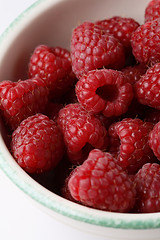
40, 194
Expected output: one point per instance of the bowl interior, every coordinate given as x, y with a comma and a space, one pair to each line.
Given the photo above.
51, 23
54, 25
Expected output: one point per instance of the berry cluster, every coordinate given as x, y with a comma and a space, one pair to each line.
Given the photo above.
86, 122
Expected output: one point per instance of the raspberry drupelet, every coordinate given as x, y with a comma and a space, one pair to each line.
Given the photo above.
100, 183
105, 90
128, 142
37, 144
82, 132
93, 48
19, 100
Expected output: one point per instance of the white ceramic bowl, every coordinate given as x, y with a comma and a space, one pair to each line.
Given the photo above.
51, 22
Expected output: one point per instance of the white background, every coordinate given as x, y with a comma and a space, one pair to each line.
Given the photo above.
20, 219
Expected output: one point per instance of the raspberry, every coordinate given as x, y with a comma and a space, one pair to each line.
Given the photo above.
106, 91
147, 182
92, 48
37, 144
82, 132
121, 28
134, 72
65, 191
154, 140
147, 88
53, 65
152, 10
128, 140
100, 183
19, 100
145, 43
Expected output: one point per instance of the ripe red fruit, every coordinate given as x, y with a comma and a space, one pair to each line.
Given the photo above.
121, 28
147, 88
93, 48
106, 91
37, 144
147, 182
154, 140
128, 142
82, 132
19, 100
145, 43
152, 10
52, 65
100, 183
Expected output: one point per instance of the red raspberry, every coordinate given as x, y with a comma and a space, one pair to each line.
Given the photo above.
106, 91
121, 28
82, 132
145, 43
154, 140
92, 48
134, 72
19, 100
128, 140
53, 65
37, 144
147, 88
65, 191
100, 183
147, 182
152, 10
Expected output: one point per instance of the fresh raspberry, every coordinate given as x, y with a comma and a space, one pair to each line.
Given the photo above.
53, 65
128, 140
147, 182
19, 100
100, 183
134, 72
145, 43
82, 132
152, 115
37, 144
152, 10
154, 140
121, 28
92, 48
65, 191
106, 91
147, 88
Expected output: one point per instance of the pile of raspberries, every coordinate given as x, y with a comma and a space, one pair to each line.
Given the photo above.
87, 120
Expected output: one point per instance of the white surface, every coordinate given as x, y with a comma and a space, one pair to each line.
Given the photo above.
19, 217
